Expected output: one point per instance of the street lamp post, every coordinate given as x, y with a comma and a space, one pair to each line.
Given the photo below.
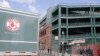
63, 52
56, 39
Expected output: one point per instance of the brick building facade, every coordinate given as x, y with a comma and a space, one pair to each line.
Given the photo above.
44, 39
44, 34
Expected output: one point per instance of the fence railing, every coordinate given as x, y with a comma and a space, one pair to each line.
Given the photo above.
76, 36
83, 23
78, 14
54, 26
76, 24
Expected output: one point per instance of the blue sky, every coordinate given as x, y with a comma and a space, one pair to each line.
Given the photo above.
40, 6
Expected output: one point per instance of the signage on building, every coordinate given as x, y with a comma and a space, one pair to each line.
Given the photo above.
56, 37
12, 24
77, 41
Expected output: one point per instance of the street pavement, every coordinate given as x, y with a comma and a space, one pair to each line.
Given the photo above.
44, 53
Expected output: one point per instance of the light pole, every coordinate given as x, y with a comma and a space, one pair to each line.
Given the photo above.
78, 48
62, 35
56, 39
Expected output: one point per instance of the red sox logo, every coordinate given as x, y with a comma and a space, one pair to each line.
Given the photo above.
12, 24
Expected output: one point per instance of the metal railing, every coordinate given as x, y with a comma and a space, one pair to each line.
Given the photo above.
80, 35
63, 15
97, 34
97, 23
78, 14
77, 36
79, 24
54, 26
96, 14
63, 24
55, 18
76, 24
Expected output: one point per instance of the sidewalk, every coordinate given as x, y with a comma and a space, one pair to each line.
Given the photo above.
66, 54
44, 53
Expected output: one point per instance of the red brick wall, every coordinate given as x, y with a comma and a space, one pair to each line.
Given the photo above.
45, 38
93, 47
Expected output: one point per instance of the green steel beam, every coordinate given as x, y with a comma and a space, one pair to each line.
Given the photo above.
66, 11
59, 22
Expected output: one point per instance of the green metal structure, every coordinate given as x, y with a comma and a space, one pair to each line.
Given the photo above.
18, 31
74, 22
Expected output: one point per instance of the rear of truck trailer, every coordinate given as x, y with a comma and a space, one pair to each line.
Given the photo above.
18, 33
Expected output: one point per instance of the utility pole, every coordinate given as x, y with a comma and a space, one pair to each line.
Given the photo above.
63, 51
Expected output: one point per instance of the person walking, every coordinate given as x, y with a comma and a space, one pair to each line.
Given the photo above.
98, 51
48, 50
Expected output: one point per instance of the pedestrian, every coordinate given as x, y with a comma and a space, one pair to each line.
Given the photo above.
98, 51
89, 52
82, 52
48, 50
